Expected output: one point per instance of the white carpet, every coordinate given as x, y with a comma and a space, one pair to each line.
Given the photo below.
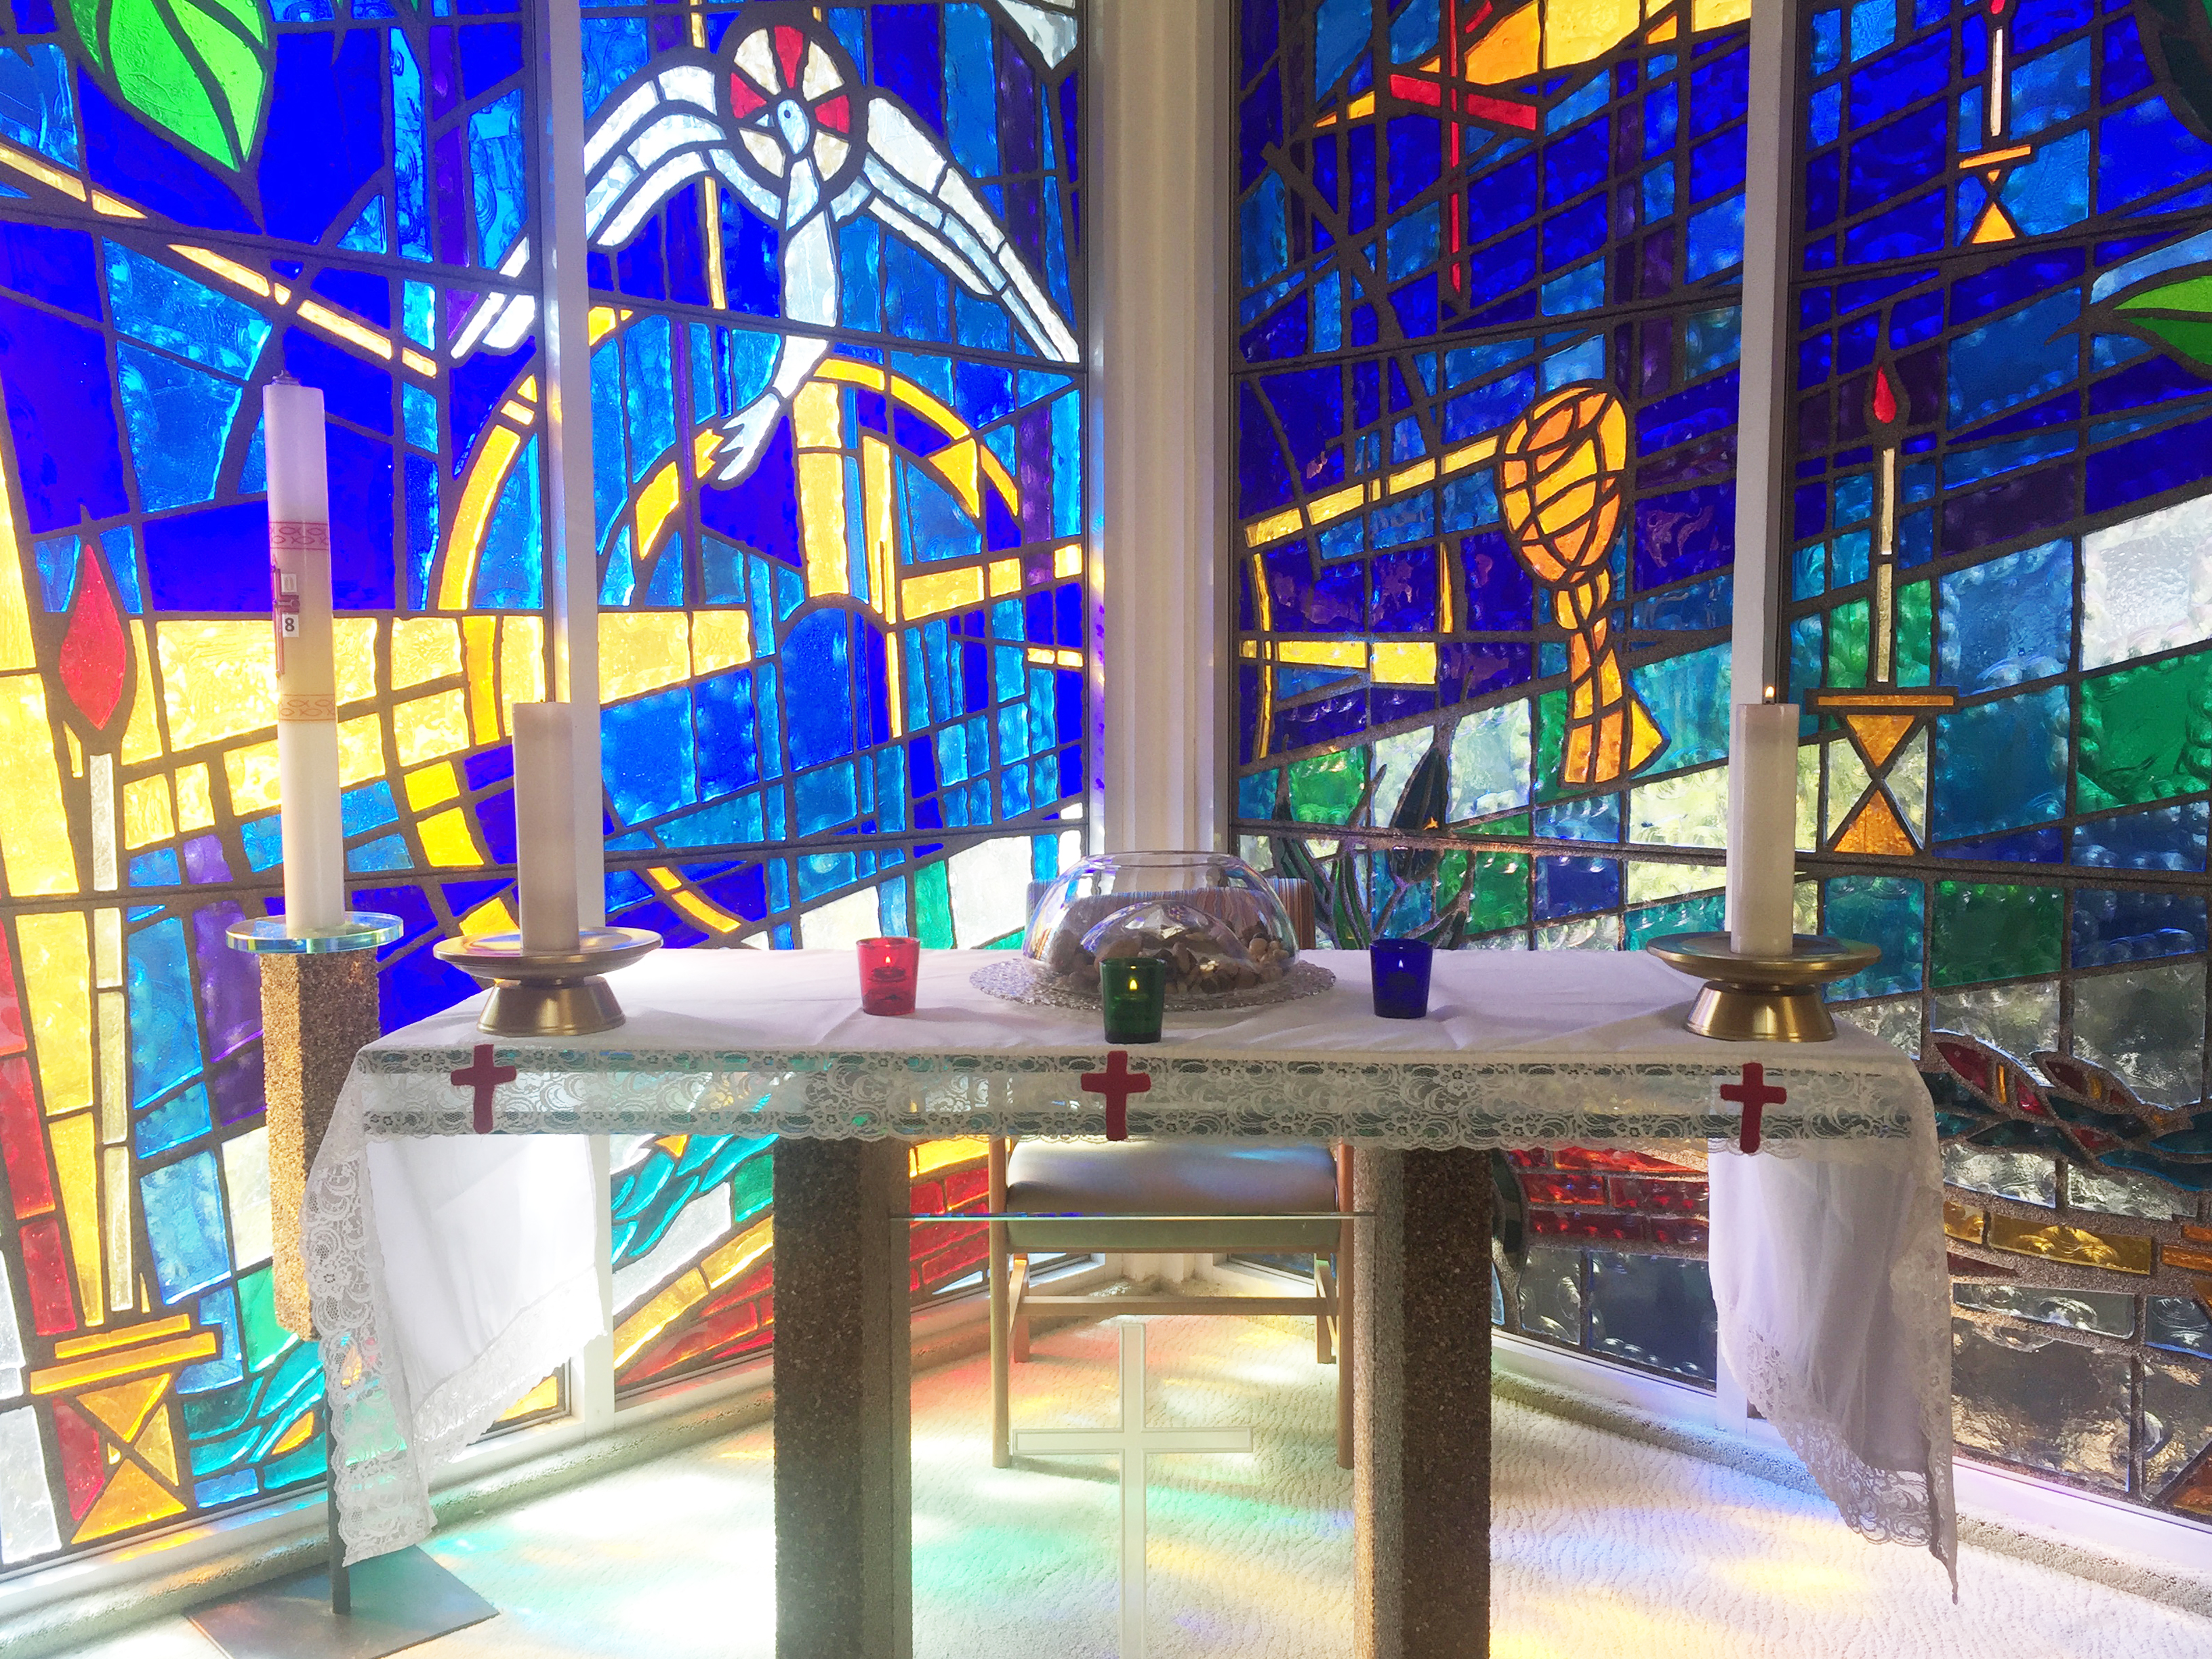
1604, 1546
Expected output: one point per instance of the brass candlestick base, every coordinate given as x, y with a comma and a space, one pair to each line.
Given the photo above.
1756, 999
549, 992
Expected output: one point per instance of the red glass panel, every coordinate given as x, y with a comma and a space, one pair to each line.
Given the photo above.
46, 1275
23, 1145
83, 1469
96, 658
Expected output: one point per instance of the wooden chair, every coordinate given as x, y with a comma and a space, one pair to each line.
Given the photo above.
1095, 1193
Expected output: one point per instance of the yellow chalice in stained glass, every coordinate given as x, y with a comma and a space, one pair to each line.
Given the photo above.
1561, 467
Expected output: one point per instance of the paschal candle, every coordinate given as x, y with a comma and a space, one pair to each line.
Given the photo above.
1762, 828
545, 824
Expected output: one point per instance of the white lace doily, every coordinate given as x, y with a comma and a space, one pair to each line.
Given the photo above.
1019, 979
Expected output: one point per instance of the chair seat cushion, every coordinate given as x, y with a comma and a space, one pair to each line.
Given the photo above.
1099, 1180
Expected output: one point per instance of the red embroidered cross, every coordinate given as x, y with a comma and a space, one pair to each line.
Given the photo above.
1754, 1094
1117, 1083
481, 1075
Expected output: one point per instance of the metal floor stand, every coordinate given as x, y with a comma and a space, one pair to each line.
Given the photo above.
385, 1605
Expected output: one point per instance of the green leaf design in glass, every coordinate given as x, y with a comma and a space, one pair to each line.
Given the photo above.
199, 69
2179, 313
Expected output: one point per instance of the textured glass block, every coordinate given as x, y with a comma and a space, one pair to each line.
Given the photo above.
2146, 587
2031, 1177
2085, 1247
2115, 1192
2147, 1026
2183, 1323
1983, 931
2018, 1019
2025, 1398
2176, 1408
1551, 1295
2080, 1310
2141, 733
1653, 1310
1896, 1021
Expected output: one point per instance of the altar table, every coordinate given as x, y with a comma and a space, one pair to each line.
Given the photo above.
450, 1270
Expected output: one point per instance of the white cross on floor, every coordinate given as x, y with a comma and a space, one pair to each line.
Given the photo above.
1131, 1442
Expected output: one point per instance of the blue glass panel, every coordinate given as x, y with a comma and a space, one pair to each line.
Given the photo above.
184, 1224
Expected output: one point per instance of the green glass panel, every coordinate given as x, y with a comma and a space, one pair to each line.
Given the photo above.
1986, 930
2146, 733
1501, 892
933, 903
1885, 911
1847, 645
1551, 733
1696, 915
262, 1338
1915, 634
1324, 788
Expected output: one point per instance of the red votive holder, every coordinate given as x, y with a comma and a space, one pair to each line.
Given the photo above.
888, 968
1401, 971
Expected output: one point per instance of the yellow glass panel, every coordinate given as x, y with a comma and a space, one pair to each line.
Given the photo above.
122, 1234
125, 1361
141, 738
57, 968
430, 726
642, 651
301, 1427
543, 1398
817, 417
822, 519
492, 916
1006, 576
931, 1155
521, 660
449, 841
76, 1170
1323, 653
725, 1264
1718, 13
132, 1498
34, 840
1961, 1223
123, 1408
656, 504
158, 1446
1273, 527
2188, 1260
76, 752
720, 639
878, 528
195, 798
1067, 561
432, 784
480, 653
955, 463
71, 1347
147, 814
250, 772
354, 639
939, 591
361, 749
16, 650
2055, 1242
1509, 51
424, 648
218, 679
1405, 663
648, 1322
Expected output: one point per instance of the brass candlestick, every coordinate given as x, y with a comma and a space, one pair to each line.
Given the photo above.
549, 992
1763, 999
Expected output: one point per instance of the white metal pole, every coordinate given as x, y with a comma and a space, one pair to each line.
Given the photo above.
1757, 654
1158, 400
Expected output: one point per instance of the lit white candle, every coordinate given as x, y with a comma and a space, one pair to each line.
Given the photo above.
545, 824
307, 684
1762, 830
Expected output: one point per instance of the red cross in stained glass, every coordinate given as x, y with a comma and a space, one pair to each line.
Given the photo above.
481, 1075
1117, 1083
1754, 1094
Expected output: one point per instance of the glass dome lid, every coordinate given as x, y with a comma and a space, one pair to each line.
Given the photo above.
1213, 918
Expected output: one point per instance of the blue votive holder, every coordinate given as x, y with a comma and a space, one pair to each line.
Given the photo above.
1399, 968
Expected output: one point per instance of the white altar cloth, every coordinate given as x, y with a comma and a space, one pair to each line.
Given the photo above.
448, 1276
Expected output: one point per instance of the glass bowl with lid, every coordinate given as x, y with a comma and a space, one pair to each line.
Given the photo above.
1216, 923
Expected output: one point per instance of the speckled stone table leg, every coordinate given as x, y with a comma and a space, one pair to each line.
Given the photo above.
1421, 1383
317, 1013
843, 1507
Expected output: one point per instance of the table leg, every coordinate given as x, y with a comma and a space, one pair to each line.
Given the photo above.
843, 1543
1421, 1391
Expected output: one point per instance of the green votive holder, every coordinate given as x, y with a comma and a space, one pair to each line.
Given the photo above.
1134, 990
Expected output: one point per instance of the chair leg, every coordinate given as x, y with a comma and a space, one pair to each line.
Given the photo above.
1345, 1288
1002, 1453
1018, 1337
1324, 1343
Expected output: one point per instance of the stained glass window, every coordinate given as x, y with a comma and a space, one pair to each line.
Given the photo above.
1483, 460
836, 439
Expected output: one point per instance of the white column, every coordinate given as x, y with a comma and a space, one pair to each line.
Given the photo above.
572, 586
1159, 293
1758, 651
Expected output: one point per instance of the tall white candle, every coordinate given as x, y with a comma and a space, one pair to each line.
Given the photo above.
312, 832
545, 824
1762, 830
